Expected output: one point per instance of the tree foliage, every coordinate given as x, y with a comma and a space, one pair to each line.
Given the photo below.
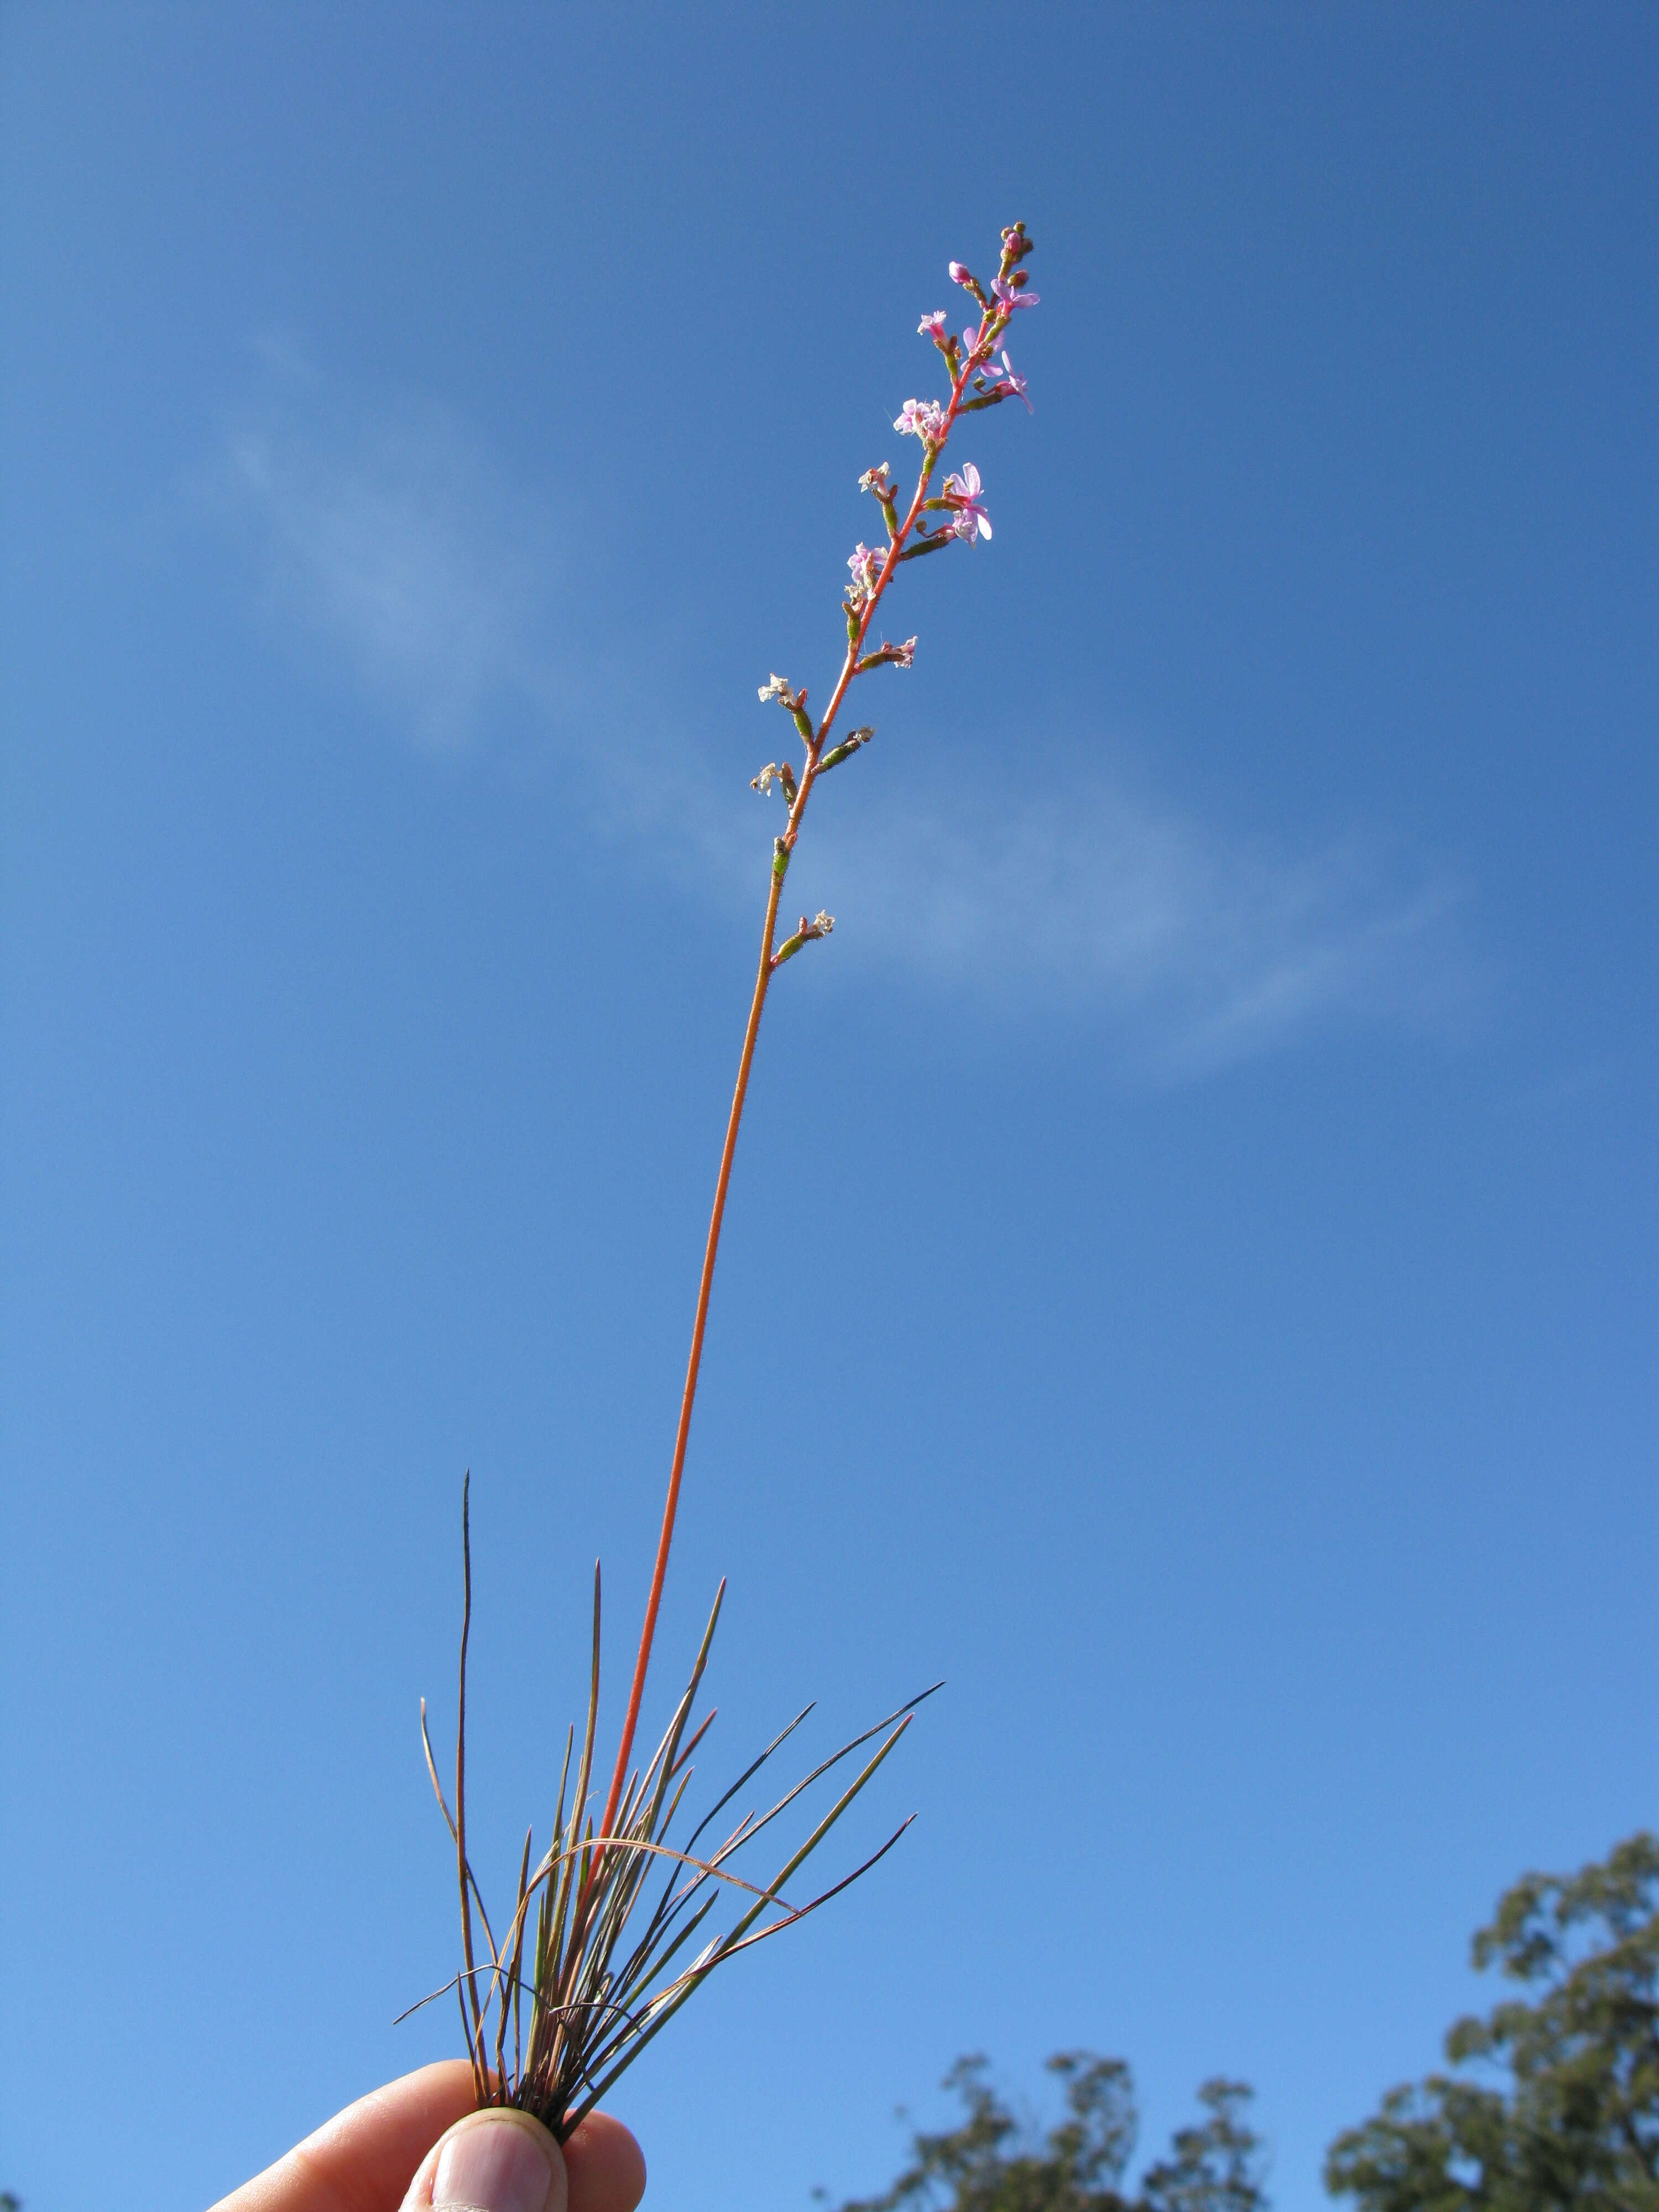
990, 2164
1572, 2118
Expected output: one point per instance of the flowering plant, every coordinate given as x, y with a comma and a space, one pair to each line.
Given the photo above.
578, 1996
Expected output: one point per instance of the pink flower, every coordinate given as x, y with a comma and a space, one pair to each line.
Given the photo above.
923, 419
1013, 385
1012, 298
904, 656
933, 326
960, 274
864, 562
963, 494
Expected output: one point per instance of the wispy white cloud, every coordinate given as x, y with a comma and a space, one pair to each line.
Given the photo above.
398, 549
1203, 948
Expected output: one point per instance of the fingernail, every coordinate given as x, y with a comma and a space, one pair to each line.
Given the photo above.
496, 2162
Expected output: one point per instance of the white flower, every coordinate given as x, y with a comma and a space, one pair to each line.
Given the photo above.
923, 419
864, 562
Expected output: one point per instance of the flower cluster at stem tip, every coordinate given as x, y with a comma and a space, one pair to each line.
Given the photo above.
981, 375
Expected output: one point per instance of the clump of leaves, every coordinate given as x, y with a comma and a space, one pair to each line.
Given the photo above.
600, 1984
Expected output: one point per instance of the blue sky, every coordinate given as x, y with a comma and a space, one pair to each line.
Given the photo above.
1189, 1279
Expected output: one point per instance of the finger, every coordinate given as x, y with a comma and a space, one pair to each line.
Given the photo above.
363, 2159
606, 2166
505, 2161
496, 2160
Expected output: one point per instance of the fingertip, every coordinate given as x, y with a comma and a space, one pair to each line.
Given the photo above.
494, 2159
605, 2165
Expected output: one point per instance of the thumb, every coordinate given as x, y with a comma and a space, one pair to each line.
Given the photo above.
496, 2160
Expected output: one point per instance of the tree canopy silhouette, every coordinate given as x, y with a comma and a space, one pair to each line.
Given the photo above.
990, 2164
1567, 2113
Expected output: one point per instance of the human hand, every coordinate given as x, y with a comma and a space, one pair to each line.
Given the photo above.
420, 2142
